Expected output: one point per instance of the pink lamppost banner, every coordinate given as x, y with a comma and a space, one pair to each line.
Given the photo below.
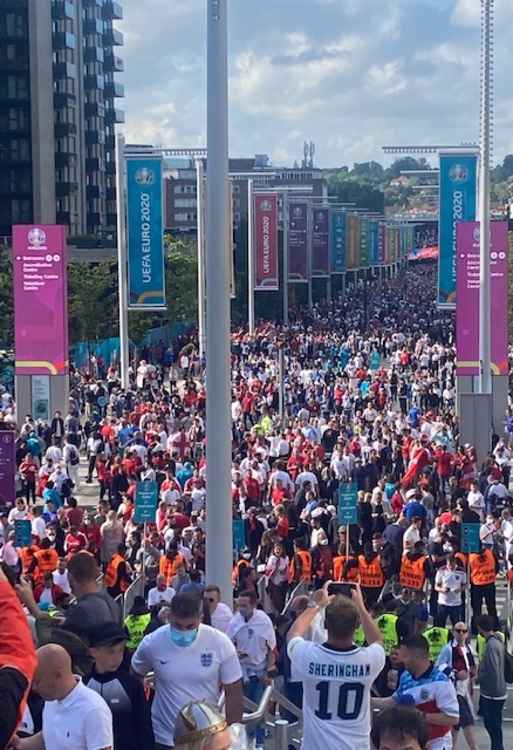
266, 242
298, 242
40, 300
467, 297
321, 242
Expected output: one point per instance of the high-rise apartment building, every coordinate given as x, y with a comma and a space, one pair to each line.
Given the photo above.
58, 92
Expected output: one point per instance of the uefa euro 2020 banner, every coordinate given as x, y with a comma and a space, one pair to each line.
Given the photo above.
338, 240
458, 197
266, 242
145, 238
40, 299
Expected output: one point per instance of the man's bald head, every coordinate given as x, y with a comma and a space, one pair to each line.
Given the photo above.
54, 677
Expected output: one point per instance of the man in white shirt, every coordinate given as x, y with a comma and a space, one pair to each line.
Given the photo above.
220, 613
450, 584
337, 676
412, 534
161, 594
74, 717
476, 500
60, 576
252, 633
191, 662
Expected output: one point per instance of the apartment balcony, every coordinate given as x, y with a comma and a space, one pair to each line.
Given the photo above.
62, 10
112, 10
62, 189
113, 38
94, 26
94, 109
94, 82
93, 53
113, 63
114, 116
114, 90
62, 129
64, 40
64, 70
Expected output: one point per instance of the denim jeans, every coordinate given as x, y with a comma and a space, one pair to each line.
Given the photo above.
253, 689
491, 711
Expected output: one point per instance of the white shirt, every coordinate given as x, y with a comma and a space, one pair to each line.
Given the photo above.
182, 675
454, 580
39, 527
62, 580
82, 721
410, 537
156, 597
221, 617
336, 693
254, 637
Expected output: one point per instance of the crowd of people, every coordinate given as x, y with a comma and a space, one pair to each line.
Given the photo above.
390, 601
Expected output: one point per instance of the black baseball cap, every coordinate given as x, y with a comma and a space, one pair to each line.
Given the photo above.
107, 635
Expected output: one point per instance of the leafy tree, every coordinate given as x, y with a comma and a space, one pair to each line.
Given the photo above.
361, 194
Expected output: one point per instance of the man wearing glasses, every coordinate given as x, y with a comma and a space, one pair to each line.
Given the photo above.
457, 661
220, 613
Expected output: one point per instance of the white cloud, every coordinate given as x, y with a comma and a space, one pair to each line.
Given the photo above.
349, 74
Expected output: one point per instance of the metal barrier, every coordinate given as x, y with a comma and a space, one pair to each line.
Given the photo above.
300, 590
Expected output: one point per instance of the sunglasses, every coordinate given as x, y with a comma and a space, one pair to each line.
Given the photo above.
461, 630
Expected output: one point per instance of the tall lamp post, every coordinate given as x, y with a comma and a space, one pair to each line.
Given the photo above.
485, 378
219, 507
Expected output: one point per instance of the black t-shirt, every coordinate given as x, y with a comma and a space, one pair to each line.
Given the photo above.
90, 612
12, 689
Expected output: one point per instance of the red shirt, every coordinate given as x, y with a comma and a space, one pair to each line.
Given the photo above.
74, 543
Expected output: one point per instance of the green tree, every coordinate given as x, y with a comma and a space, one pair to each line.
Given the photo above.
362, 194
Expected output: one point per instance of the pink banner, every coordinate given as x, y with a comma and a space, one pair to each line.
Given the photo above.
266, 242
40, 300
467, 297
321, 242
297, 242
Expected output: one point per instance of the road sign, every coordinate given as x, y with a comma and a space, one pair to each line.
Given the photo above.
22, 533
146, 495
347, 501
239, 535
470, 541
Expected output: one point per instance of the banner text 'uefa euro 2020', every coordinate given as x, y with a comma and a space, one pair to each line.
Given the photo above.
146, 277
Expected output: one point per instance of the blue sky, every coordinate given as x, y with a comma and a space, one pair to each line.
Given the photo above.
351, 75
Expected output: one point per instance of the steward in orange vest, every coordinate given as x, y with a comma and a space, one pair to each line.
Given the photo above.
117, 578
345, 568
47, 559
483, 568
237, 573
413, 569
300, 568
170, 562
372, 578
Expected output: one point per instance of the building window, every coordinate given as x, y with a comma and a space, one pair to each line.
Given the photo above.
21, 210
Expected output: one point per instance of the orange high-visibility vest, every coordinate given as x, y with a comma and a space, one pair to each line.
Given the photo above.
47, 560
371, 574
111, 574
482, 571
237, 570
304, 571
412, 574
27, 557
338, 569
168, 568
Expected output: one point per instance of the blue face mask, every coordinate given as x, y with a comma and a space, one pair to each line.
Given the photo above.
183, 638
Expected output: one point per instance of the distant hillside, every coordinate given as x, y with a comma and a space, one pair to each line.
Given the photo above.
370, 185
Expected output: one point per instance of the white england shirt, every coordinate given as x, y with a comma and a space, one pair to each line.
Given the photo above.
187, 674
336, 693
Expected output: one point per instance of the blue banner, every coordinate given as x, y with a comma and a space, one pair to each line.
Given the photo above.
470, 540
374, 242
458, 196
347, 503
146, 497
338, 240
145, 237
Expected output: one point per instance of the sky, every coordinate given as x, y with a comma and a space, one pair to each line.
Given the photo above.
350, 75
